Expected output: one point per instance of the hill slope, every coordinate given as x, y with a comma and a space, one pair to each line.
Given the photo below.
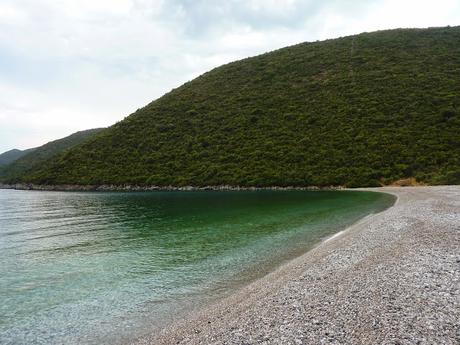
38, 157
10, 156
355, 111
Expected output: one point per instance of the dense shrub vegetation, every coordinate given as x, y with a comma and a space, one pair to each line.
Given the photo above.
28, 161
355, 111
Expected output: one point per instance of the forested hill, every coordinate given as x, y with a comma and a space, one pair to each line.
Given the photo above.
12, 155
357, 111
37, 158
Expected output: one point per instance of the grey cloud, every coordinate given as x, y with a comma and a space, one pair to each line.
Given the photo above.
200, 18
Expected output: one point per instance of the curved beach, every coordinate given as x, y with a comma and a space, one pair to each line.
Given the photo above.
392, 278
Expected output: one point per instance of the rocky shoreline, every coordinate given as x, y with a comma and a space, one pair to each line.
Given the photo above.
392, 278
137, 188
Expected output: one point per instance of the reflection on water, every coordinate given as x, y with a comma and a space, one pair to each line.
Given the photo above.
105, 267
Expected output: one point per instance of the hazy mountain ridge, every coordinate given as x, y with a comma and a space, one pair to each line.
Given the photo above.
356, 111
10, 156
31, 159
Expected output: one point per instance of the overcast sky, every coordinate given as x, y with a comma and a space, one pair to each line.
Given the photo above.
69, 65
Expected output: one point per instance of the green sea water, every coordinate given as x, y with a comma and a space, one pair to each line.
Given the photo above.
105, 268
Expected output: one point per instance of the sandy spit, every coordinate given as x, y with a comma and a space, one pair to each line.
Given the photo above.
392, 278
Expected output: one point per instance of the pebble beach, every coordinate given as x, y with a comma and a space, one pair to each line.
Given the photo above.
391, 278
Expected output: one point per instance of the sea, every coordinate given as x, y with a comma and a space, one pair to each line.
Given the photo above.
107, 268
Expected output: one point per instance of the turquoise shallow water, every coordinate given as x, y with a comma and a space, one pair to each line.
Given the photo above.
103, 268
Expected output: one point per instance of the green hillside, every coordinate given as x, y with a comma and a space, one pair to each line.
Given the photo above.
354, 111
38, 157
10, 156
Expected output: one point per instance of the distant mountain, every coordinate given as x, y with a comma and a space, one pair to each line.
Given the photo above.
12, 155
362, 110
29, 160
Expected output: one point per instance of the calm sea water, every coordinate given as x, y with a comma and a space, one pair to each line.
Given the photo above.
102, 268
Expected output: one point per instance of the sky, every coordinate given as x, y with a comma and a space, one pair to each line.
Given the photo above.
70, 65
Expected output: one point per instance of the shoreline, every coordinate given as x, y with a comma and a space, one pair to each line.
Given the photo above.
361, 285
137, 188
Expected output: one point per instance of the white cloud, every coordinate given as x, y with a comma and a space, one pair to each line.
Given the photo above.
74, 64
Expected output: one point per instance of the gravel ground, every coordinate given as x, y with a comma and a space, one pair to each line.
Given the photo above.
392, 278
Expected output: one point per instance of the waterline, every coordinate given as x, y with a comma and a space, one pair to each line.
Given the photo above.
102, 267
